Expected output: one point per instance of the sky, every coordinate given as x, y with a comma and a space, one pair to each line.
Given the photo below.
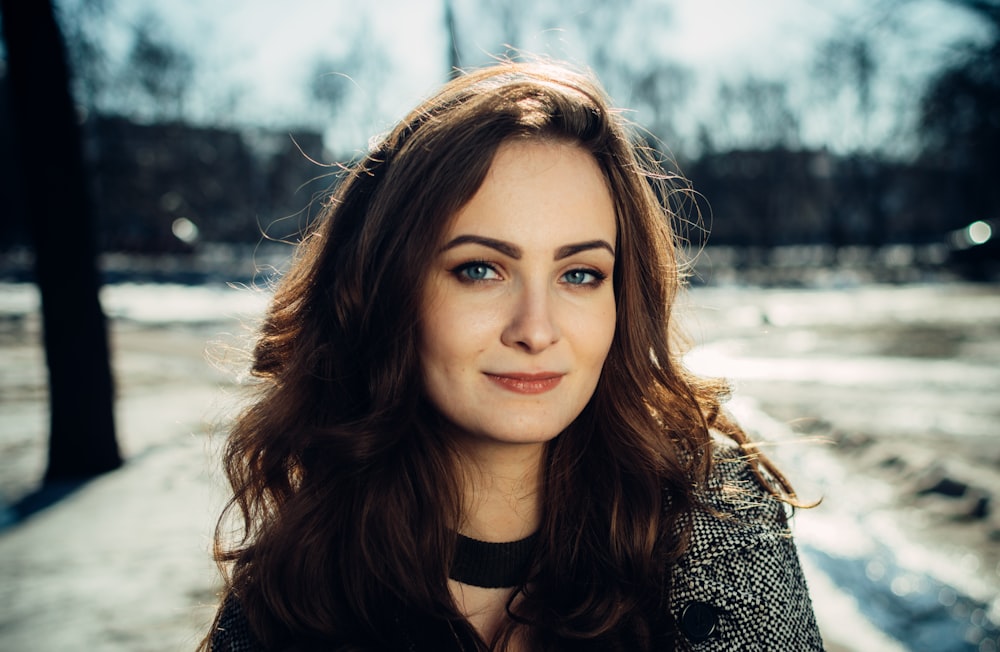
255, 58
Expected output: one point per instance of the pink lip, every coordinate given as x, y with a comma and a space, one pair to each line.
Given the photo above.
527, 383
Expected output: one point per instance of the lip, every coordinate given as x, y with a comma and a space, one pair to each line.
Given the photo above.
519, 383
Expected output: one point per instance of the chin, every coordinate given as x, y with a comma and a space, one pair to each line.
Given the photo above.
525, 436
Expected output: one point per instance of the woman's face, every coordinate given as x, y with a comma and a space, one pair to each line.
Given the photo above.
519, 310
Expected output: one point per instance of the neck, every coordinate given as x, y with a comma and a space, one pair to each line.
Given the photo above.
501, 500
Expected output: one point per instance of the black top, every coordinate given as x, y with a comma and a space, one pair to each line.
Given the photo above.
492, 565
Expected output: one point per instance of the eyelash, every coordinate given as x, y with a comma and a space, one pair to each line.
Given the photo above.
461, 273
599, 277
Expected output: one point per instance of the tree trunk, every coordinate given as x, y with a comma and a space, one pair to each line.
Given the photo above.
61, 217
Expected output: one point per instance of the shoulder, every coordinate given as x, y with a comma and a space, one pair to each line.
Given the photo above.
739, 585
231, 631
736, 494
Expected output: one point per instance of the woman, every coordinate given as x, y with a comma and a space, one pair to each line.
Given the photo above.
474, 431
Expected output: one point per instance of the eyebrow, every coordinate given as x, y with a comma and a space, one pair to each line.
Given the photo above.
513, 251
570, 249
506, 248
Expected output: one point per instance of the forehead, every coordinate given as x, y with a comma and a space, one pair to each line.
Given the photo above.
540, 190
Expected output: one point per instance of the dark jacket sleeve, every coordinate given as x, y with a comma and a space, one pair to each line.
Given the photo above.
231, 632
739, 586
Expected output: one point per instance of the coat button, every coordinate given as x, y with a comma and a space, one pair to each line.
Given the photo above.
698, 621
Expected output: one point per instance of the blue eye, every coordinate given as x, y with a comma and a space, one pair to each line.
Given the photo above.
476, 272
583, 277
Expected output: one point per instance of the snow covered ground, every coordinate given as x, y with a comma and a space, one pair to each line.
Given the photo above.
871, 393
881, 400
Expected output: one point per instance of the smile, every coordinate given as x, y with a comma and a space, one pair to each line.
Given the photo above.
527, 383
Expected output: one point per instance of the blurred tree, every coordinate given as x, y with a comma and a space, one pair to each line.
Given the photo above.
327, 85
451, 32
150, 78
345, 86
753, 113
751, 133
468, 24
511, 13
605, 32
13, 228
602, 26
82, 433
156, 74
844, 72
662, 91
960, 122
81, 24
843, 75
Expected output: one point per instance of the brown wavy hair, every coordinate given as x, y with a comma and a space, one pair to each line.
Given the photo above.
345, 491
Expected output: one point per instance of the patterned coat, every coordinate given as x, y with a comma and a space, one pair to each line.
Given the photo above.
739, 586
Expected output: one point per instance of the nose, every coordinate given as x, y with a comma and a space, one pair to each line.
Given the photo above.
532, 326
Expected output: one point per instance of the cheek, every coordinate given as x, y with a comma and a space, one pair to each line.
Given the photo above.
457, 322
435, 345
602, 333
454, 331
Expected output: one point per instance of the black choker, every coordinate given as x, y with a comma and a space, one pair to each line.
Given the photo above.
492, 565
